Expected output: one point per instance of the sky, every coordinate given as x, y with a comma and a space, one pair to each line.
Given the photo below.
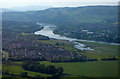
55, 3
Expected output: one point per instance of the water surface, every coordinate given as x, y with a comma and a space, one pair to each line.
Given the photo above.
48, 31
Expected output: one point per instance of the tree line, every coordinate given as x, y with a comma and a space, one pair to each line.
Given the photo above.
37, 67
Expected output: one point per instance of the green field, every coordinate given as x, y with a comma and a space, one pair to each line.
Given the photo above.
59, 43
107, 48
77, 69
101, 50
89, 69
17, 69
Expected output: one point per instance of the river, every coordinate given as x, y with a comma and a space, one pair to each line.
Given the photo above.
48, 31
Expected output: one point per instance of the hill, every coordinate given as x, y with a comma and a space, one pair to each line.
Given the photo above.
30, 8
8, 10
101, 22
90, 14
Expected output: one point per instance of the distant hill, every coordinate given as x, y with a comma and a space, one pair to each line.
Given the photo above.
88, 14
102, 21
30, 8
8, 10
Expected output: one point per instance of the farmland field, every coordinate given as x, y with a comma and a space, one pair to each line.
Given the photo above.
17, 70
75, 69
89, 69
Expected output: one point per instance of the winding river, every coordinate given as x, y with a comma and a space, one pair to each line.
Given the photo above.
48, 31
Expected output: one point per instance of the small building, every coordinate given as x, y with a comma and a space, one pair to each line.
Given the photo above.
85, 30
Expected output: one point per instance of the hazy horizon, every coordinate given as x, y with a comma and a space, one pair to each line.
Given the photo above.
55, 3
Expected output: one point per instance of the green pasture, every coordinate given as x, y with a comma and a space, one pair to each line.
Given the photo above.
72, 69
88, 69
17, 70
106, 48
59, 43
101, 50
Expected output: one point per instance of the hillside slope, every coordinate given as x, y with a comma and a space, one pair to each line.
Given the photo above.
91, 14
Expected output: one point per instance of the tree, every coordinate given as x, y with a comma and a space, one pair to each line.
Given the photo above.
60, 70
42, 69
51, 70
24, 74
31, 67
26, 64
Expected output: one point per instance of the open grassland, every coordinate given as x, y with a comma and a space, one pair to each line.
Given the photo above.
59, 43
101, 50
77, 69
88, 69
106, 48
73, 69
17, 70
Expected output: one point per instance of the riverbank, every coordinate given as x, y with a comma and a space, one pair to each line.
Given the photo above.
93, 49
48, 31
